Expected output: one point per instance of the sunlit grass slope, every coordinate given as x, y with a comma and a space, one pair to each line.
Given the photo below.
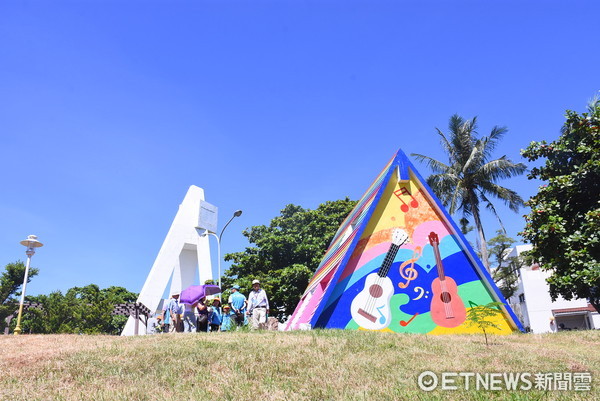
309, 365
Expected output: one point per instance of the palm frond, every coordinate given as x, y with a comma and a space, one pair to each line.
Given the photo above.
434, 165
457, 201
443, 186
475, 159
446, 145
490, 206
510, 197
465, 140
492, 140
500, 169
467, 182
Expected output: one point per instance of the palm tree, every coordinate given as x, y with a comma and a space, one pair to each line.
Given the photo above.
469, 178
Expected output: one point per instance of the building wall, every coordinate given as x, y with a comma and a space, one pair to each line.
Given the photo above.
534, 306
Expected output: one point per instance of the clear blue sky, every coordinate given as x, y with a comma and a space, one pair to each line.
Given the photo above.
110, 110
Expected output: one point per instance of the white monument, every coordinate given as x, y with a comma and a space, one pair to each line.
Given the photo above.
183, 253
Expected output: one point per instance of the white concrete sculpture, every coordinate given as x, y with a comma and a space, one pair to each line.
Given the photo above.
183, 252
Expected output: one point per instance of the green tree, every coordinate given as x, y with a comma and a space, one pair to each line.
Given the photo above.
287, 252
468, 180
504, 269
11, 281
564, 223
479, 316
81, 310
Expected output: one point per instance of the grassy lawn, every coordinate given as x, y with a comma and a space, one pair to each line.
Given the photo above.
304, 365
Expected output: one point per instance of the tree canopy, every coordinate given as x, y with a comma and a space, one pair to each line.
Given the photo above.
81, 310
286, 253
11, 281
469, 179
564, 223
85, 310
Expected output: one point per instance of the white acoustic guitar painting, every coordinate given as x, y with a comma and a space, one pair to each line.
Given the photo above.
371, 307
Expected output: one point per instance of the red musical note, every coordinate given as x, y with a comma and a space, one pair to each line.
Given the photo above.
413, 203
405, 323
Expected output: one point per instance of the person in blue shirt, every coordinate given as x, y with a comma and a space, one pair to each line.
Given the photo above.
227, 320
171, 312
238, 304
214, 317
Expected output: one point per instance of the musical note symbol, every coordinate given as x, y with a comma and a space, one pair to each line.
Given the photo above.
405, 323
421, 292
410, 273
413, 203
382, 318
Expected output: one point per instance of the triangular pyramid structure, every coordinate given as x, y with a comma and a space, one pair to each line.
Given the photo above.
183, 256
399, 263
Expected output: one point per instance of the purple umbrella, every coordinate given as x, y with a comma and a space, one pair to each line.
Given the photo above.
195, 293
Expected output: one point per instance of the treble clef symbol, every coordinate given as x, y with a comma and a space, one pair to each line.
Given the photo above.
410, 273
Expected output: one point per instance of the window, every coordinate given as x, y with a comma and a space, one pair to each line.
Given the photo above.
521, 297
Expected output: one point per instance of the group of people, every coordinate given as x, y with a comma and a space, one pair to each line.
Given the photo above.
201, 317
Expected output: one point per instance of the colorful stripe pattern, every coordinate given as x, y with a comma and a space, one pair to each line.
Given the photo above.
339, 245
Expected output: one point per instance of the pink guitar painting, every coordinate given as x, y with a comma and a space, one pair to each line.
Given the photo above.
371, 307
447, 309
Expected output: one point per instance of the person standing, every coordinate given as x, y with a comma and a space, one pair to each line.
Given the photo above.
238, 304
189, 318
202, 322
258, 306
227, 319
170, 313
215, 315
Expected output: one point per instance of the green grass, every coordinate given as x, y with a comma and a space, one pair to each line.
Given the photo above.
307, 365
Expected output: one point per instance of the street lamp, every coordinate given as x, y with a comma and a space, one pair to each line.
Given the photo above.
31, 243
237, 213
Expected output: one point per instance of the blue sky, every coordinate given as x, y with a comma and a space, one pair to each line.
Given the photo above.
110, 110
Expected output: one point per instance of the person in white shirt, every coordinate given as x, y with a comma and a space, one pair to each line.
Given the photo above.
154, 325
258, 306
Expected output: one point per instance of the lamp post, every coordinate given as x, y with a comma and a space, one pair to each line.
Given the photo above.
237, 213
31, 243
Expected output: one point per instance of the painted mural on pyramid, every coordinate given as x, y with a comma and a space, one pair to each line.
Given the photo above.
398, 263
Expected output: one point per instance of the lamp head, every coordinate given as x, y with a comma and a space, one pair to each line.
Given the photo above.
237, 213
31, 242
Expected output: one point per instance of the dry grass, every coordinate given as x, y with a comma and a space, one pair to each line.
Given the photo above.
315, 365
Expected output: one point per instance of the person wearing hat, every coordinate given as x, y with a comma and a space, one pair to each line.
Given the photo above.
154, 325
238, 304
258, 306
227, 319
215, 315
171, 312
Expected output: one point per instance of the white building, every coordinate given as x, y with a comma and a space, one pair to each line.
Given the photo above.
534, 307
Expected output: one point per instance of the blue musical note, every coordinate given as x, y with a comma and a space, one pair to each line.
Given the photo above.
382, 318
